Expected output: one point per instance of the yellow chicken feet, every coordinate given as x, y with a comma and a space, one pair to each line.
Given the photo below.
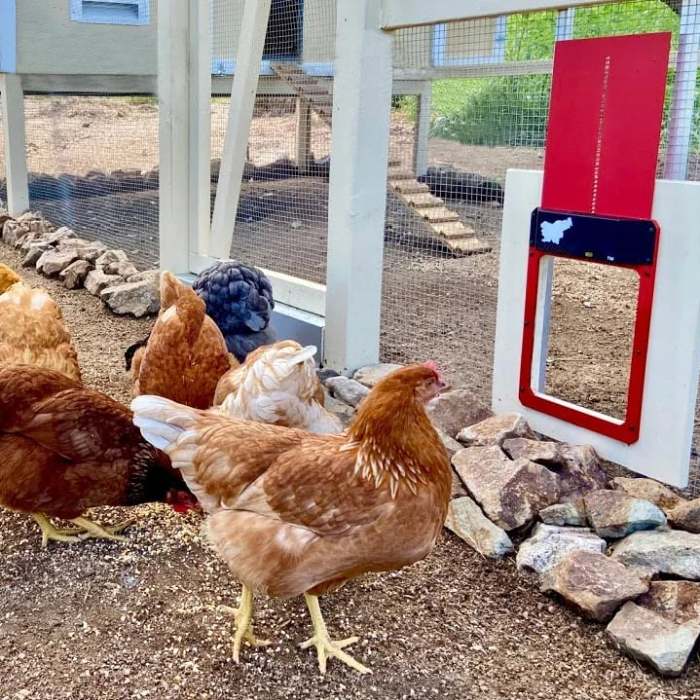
86, 529
244, 623
325, 646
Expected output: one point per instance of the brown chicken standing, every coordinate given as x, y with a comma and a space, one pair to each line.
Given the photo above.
65, 448
294, 513
186, 354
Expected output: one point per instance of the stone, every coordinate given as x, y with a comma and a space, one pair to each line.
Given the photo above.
495, 430
371, 374
452, 446
549, 544
32, 238
85, 250
60, 234
52, 261
152, 276
325, 373
34, 252
570, 513
347, 390
97, 280
686, 516
678, 601
614, 514
593, 583
647, 636
674, 552
466, 520
133, 298
457, 489
14, 230
580, 471
74, 275
341, 409
534, 450
452, 410
110, 256
650, 490
510, 492
123, 268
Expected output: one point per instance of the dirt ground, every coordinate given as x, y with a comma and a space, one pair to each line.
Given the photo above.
140, 620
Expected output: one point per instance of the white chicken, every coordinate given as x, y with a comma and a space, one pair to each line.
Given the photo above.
278, 385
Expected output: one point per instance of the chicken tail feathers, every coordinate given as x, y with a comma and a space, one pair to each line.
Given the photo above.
162, 422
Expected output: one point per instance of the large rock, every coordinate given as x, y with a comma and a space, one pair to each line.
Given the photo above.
495, 430
339, 408
686, 516
595, 584
662, 629
465, 519
510, 492
579, 471
133, 298
347, 390
569, 513
123, 268
372, 374
14, 230
672, 552
31, 239
85, 250
33, 252
535, 450
550, 544
152, 276
649, 490
74, 275
452, 410
614, 514
61, 234
51, 261
97, 280
110, 256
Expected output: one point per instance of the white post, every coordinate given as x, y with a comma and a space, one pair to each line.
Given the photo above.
184, 92
12, 109
358, 178
682, 106
565, 24
251, 43
303, 144
425, 100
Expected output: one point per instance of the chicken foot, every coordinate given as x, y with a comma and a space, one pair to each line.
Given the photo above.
325, 646
244, 623
86, 529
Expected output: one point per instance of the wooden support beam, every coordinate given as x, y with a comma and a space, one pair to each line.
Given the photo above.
358, 177
245, 83
184, 90
12, 117
420, 156
303, 135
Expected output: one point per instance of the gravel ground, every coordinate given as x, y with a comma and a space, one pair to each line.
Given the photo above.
140, 620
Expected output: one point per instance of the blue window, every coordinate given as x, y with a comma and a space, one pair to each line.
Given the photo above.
110, 11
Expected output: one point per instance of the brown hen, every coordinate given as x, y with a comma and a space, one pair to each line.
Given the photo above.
294, 513
32, 331
186, 354
64, 449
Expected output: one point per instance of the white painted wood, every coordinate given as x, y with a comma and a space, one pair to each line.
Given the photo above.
293, 291
303, 134
542, 324
12, 117
8, 36
76, 84
565, 24
497, 55
683, 101
357, 197
406, 13
184, 90
245, 83
673, 361
420, 153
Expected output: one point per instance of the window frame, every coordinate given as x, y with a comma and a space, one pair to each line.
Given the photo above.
78, 12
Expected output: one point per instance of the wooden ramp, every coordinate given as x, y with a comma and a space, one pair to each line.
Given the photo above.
442, 222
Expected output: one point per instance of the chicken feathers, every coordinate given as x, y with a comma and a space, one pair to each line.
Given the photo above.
277, 384
186, 354
32, 332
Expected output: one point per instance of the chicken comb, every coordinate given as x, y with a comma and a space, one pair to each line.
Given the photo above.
431, 364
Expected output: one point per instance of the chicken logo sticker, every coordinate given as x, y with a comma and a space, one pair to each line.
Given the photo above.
553, 232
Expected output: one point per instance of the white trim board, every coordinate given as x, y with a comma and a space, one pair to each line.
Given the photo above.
673, 362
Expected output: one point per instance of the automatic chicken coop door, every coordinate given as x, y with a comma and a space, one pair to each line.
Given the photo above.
597, 202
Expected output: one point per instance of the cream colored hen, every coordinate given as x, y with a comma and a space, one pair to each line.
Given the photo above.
32, 330
277, 384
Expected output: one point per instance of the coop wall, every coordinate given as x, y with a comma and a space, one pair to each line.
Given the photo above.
50, 43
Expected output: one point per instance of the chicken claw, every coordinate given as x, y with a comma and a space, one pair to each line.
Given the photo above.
85, 530
244, 623
325, 646
91, 529
50, 532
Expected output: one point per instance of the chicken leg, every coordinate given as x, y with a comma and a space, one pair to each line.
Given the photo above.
325, 646
244, 623
86, 529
